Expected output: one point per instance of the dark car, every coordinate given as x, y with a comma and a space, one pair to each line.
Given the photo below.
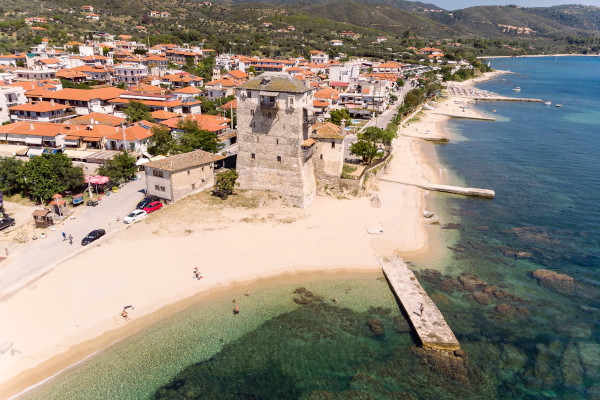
6, 222
93, 235
145, 201
92, 203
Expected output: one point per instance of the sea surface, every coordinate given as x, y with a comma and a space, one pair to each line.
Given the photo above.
524, 338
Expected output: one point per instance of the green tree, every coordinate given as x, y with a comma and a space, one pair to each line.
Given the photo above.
225, 183
105, 51
161, 141
194, 138
120, 169
11, 175
369, 141
48, 174
337, 116
137, 111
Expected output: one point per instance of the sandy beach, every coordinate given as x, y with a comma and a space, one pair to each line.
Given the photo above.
75, 310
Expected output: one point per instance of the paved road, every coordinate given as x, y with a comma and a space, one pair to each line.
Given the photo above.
39, 256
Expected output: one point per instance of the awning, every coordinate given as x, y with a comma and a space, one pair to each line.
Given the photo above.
10, 138
71, 142
97, 179
308, 142
141, 161
35, 152
33, 140
91, 139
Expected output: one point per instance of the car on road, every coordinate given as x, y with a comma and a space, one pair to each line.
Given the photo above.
155, 205
6, 222
134, 216
145, 201
93, 235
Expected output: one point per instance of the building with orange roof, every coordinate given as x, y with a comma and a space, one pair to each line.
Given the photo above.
221, 88
37, 135
319, 57
146, 88
87, 8
35, 74
133, 138
162, 115
130, 73
95, 118
38, 29
182, 80
211, 123
92, 16
232, 104
391, 67
236, 74
187, 93
84, 101
166, 102
42, 111
12, 59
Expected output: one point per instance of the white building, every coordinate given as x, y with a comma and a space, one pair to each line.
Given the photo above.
344, 73
130, 73
10, 96
319, 57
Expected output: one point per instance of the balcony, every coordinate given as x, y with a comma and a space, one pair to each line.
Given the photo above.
269, 105
306, 149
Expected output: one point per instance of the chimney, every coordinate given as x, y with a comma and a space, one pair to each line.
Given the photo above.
31, 126
52, 102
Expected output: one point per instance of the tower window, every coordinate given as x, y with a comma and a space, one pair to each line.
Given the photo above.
252, 155
279, 159
277, 141
252, 112
333, 145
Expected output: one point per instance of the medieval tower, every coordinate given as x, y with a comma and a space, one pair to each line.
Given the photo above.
275, 151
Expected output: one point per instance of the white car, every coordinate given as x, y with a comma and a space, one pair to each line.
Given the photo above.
134, 216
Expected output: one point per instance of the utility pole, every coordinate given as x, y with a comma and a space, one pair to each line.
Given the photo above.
124, 141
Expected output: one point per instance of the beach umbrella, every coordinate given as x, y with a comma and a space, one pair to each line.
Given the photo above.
99, 179
57, 196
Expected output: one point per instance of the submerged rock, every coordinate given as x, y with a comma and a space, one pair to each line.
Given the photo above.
505, 309
471, 283
451, 226
462, 353
448, 285
306, 296
401, 325
480, 297
532, 234
376, 327
515, 253
553, 279
570, 365
431, 275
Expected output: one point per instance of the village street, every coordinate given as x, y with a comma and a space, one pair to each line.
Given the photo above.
32, 260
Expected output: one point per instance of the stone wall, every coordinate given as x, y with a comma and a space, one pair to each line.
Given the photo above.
155, 183
270, 156
329, 161
181, 183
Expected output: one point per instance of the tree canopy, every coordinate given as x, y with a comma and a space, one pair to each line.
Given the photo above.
337, 116
225, 183
45, 175
137, 111
369, 141
120, 169
194, 138
161, 141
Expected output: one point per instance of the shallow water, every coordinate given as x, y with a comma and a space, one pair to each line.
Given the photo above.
524, 340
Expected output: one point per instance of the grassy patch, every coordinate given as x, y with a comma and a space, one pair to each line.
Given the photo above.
347, 171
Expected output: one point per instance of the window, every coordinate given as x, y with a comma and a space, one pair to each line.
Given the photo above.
278, 159
193, 186
333, 144
188, 172
321, 156
156, 187
157, 173
277, 141
251, 112
162, 188
202, 168
252, 155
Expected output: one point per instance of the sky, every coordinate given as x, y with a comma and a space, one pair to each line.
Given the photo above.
457, 4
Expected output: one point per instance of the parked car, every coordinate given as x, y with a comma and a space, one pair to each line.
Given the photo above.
145, 201
155, 205
92, 203
134, 216
6, 222
93, 235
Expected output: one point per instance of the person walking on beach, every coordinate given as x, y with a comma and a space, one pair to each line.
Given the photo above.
125, 315
70, 239
236, 311
422, 308
64, 236
196, 273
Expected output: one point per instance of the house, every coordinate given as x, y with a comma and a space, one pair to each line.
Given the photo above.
175, 177
319, 57
87, 8
11, 60
336, 42
92, 16
275, 151
212, 123
381, 39
165, 14
84, 101
165, 102
187, 93
329, 152
42, 111
130, 73
32, 75
133, 138
154, 14
36, 135
391, 67
95, 118
10, 96
221, 88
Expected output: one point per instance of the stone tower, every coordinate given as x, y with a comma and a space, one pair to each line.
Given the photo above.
275, 151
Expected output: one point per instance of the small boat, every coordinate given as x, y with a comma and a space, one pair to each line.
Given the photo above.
517, 89
548, 102
559, 105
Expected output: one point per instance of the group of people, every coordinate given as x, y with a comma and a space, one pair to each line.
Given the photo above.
70, 238
198, 274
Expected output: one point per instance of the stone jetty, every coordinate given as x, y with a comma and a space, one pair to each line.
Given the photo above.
473, 117
473, 192
429, 324
504, 98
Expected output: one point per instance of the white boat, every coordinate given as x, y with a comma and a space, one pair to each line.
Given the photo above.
548, 102
517, 89
559, 105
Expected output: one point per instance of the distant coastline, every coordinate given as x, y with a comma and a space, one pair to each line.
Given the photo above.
542, 55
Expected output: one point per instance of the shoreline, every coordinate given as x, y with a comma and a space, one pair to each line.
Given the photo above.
407, 235
542, 55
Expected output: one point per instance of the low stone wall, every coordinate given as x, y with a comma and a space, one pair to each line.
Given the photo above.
371, 172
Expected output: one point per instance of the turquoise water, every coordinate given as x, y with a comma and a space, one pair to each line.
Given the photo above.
524, 340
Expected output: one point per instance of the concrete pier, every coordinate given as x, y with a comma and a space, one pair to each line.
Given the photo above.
473, 192
503, 98
431, 327
459, 116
